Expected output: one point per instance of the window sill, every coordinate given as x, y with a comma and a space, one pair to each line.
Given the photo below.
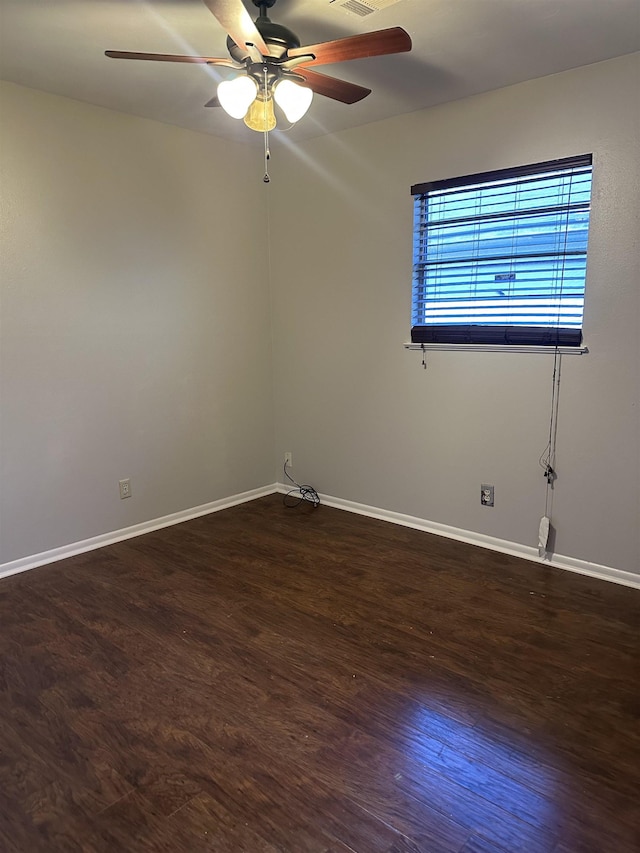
495, 348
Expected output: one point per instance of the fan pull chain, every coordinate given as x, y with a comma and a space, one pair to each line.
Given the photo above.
267, 153
267, 157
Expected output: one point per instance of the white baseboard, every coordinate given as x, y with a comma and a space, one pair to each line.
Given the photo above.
515, 549
492, 543
74, 548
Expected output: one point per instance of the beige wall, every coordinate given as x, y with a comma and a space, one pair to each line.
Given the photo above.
364, 421
136, 323
135, 331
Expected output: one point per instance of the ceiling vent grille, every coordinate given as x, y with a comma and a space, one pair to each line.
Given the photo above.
362, 8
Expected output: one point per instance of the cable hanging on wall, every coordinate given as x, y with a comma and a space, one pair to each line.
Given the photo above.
301, 493
547, 459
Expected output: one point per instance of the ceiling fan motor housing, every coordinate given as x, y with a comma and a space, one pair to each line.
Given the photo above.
279, 38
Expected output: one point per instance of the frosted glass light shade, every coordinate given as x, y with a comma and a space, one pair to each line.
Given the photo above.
294, 100
236, 95
260, 115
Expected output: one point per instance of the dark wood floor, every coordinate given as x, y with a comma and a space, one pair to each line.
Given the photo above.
267, 679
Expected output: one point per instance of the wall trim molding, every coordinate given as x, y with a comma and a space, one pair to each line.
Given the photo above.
55, 554
514, 549
503, 546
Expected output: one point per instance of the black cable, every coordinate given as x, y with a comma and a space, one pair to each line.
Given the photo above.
547, 458
302, 493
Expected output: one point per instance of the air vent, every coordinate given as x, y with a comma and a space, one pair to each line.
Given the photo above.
362, 8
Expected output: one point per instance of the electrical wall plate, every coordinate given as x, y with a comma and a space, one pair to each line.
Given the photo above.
486, 494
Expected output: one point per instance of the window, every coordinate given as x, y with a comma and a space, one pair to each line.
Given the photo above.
500, 257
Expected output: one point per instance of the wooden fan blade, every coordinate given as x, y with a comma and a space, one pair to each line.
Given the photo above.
236, 21
169, 57
379, 43
214, 102
332, 87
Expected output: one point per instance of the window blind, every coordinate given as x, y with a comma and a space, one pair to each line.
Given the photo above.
500, 257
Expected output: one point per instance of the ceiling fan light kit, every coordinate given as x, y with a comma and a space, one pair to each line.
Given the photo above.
242, 97
237, 95
270, 64
294, 100
260, 115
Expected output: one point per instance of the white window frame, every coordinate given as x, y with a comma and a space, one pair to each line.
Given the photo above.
566, 222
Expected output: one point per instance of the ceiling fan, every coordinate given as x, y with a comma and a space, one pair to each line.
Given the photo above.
271, 64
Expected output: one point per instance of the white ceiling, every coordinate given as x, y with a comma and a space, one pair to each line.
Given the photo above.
460, 48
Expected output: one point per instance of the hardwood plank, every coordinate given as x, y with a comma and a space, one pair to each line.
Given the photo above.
477, 844
276, 680
218, 829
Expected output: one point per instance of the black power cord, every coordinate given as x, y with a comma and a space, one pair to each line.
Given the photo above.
294, 497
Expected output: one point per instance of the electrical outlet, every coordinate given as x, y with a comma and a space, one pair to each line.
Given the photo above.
486, 495
288, 459
125, 488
